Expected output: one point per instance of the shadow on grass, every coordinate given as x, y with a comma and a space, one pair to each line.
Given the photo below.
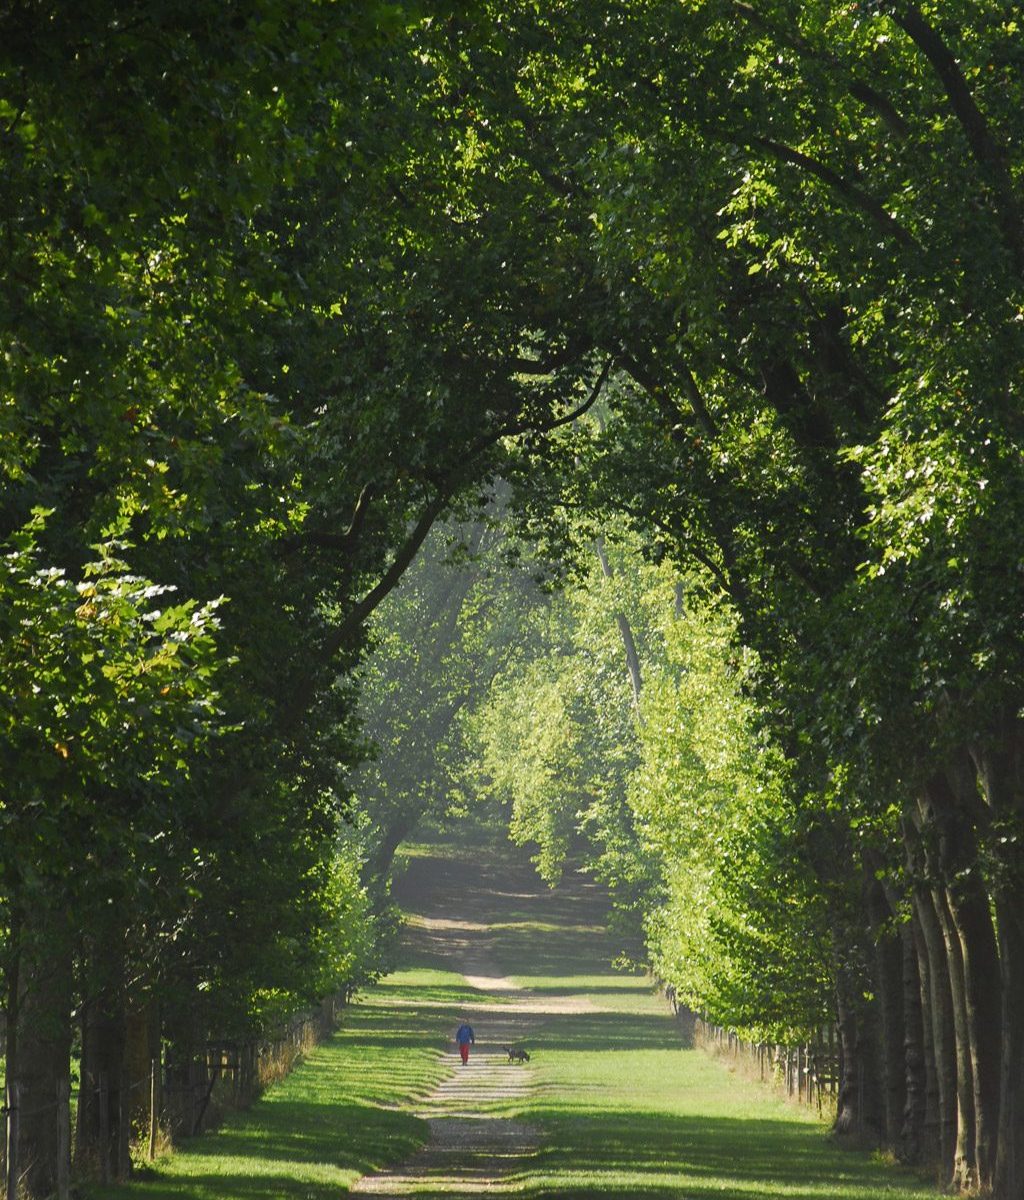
333, 1119
514, 918
452, 997
591, 1152
606, 1033
302, 1149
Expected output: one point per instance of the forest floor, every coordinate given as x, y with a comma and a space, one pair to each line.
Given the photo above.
611, 1102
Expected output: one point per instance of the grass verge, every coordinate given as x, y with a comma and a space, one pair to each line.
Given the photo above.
336, 1117
624, 1110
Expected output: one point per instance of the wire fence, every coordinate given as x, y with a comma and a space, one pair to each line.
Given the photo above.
807, 1072
169, 1102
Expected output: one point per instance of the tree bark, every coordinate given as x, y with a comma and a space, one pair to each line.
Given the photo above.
965, 1167
859, 1106
104, 1123
912, 1140
983, 1009
955, 800
847, 1120
1000, 767
888, 973
39, 1046
99, 1132
940, 1006
1009, 1164
931, 1137
185, 1066
625, 632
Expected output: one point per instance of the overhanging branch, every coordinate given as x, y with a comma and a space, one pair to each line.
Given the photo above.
839, 183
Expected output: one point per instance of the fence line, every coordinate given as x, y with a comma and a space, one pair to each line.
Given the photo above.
808, 1072
228, 1075
231, 1074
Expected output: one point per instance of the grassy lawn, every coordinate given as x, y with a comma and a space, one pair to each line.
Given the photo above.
623, 1109
626, 1113
332, 1119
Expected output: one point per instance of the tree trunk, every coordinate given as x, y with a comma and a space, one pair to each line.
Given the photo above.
969, 908
940, 1005
1000, 765
184, 1062
888, 978
965, 1167
104, 1126
1009, 1169
142, 1046
848, 1100
957, 812
859, 1106
39, 1046
910, 1147
937, 1000
625, 632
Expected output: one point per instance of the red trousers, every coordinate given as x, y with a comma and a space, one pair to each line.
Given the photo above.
464, 1051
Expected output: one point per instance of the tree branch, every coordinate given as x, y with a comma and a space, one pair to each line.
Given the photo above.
547, 366
327, 539
693, 393
533, 427
858, 198
403, 558
355, 617
987, 153
861, 91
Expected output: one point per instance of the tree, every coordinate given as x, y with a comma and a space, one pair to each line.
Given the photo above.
799, 229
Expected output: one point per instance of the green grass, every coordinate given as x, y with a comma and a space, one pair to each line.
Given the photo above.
331, 1120
622, 1108
627, 1112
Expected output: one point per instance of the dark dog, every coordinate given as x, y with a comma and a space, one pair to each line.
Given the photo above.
516, 1054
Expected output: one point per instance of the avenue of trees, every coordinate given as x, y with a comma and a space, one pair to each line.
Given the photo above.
708, 313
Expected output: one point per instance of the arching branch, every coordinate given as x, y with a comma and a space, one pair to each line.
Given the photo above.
987, 153
839, 183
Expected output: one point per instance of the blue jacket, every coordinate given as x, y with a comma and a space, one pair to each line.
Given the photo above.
464, 1035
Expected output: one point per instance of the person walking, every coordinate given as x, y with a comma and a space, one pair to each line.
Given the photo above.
464, 1038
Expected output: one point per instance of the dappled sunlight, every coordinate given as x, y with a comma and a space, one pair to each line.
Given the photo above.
610, 1103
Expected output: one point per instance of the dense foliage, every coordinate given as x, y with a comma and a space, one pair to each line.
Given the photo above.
284, 282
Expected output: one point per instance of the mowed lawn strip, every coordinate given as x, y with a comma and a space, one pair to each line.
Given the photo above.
623, 1120
624, 1110
338, 1116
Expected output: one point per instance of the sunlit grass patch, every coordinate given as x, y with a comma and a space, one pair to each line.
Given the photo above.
622, 1108
629, 1121
425, 987
332, 1120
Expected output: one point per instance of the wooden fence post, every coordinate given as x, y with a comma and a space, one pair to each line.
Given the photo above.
154, 1104
13, 1094
123, 1150
104, 1102
63, 1139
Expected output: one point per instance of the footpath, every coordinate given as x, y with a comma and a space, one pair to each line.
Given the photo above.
475, 1146
610, 1104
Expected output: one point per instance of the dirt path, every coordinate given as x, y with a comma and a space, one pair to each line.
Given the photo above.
476, 1146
